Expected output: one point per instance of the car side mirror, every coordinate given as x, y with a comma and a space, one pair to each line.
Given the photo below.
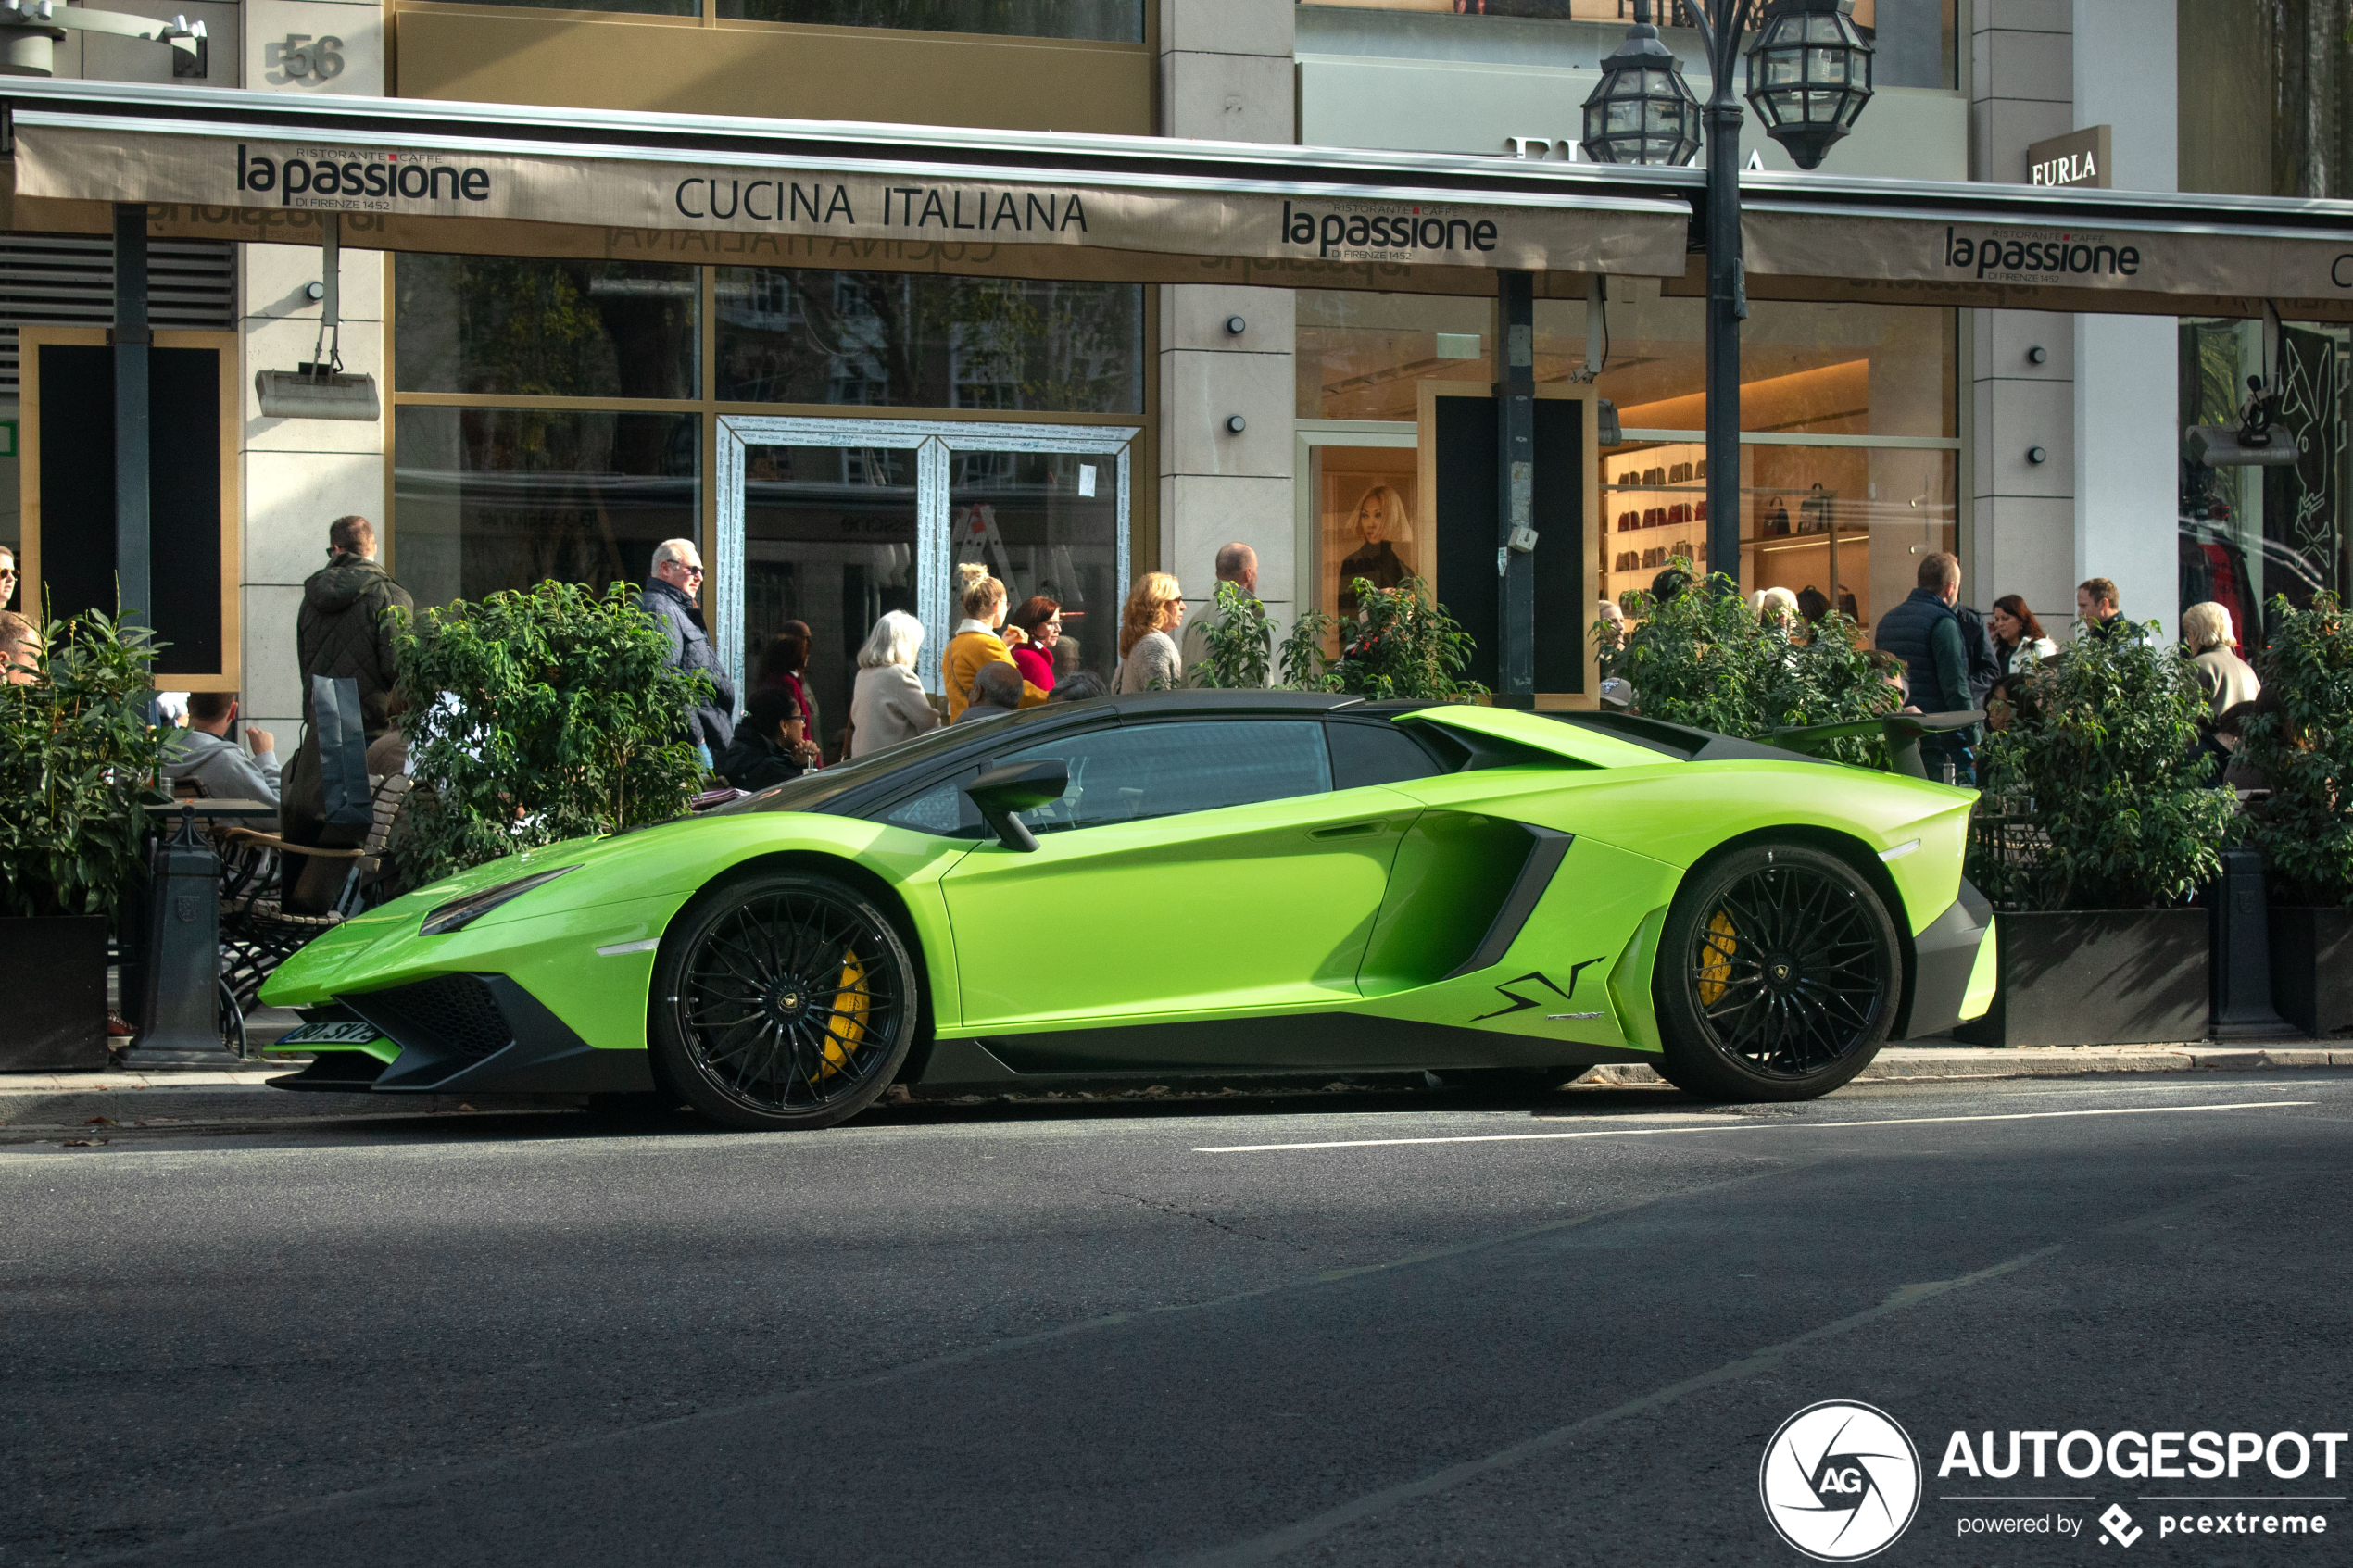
1018, 786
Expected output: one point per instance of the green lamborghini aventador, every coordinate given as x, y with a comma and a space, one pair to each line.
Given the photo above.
1223, 883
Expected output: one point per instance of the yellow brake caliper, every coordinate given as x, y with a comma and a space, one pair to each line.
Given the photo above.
1716, 968
846, 1029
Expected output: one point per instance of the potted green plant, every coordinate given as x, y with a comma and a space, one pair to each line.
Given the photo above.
1703, 658
534, 717
1238, 646
77, 761
1402, 644
2101, 819
2300, 741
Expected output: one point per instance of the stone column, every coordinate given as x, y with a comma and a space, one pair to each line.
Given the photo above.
299, 475
1227, 74
2127, 410
2022, 91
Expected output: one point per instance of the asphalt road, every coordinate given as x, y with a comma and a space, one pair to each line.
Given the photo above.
1379, 1329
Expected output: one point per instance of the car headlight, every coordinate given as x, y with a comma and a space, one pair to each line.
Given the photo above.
458, 914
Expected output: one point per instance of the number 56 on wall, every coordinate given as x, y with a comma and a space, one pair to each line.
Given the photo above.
303, 57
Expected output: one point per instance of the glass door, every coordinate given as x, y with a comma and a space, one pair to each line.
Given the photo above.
832, 522
829, 540
1050, 524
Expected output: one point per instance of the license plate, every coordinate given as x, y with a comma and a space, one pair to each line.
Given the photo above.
332, 1035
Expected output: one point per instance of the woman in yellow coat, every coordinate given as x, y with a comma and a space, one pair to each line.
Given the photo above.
976, 642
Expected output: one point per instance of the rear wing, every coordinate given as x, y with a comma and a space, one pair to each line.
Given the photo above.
1900, 732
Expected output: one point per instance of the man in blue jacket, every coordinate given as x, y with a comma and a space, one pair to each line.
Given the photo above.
1926, 634
670, 599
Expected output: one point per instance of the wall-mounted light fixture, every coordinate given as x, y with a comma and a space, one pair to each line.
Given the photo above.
2037, 354
2037, 454
1236, 423
1236, 326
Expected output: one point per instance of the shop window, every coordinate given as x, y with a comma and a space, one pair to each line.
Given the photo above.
912, 340
496, 498
1848, 523
2249, 534
1360, 354
1806, 369
513, 328
1114, 21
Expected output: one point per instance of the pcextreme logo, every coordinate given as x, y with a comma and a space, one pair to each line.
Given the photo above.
1840, 1481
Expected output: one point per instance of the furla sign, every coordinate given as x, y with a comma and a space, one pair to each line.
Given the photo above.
2080, 157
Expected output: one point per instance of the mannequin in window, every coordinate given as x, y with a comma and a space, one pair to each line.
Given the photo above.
1380, 516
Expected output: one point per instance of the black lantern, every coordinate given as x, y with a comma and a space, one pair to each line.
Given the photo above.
1809, 75
1641, 110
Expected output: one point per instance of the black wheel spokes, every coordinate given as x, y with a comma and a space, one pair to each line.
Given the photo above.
788, 1003
1800, 982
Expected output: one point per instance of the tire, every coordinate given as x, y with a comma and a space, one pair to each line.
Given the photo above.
782, 1002
1778, 976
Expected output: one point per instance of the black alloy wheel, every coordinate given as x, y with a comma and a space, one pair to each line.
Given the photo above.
1778, 976
783, 1001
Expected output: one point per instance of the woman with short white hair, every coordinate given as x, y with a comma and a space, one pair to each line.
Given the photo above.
2228, 680
887, 705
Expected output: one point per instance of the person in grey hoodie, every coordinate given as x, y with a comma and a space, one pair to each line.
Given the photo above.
221, 767
342, 630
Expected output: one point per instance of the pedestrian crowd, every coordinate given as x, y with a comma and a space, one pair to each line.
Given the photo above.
1939, 654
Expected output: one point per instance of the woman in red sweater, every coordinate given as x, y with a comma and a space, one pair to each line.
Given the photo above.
1041, 618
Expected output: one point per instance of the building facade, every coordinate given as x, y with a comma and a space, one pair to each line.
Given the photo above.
806, 415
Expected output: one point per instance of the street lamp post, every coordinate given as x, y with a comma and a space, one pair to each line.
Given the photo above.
1809, 75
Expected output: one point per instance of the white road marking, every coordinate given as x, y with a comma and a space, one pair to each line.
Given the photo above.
1731, 1126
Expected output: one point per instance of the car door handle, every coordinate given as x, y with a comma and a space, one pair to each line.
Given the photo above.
1349, 830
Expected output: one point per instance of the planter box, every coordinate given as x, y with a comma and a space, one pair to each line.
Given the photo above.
2312, 968
54, 974
2098, 977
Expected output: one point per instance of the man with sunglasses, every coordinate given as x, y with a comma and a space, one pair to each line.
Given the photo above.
671, 598
8, 574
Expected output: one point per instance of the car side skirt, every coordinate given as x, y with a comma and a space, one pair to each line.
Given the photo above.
1287, 1046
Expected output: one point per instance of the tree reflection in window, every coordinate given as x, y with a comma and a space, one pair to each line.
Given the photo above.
914, 340
519, 328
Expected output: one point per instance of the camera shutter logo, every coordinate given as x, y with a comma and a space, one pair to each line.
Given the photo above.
1840, 1481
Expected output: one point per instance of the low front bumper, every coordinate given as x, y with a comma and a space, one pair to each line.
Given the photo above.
1952, 968
472, 1034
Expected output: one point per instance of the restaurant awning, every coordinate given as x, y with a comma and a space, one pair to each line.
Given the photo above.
515, 180
2028, 248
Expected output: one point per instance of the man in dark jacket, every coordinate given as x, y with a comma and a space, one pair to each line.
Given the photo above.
343, 630
670, 597
2097, 614
1976, 642
1925, 633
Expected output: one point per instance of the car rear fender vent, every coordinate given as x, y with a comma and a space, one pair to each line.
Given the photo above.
449, 1012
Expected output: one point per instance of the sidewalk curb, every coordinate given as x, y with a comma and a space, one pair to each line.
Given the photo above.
1915, 1062
38, 1105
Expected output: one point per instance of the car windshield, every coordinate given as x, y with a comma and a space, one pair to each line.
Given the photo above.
811, 791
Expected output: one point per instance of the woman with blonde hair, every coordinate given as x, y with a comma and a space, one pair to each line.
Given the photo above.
2228, 680
1148, 655
1381, 518
982, 598
887, 705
